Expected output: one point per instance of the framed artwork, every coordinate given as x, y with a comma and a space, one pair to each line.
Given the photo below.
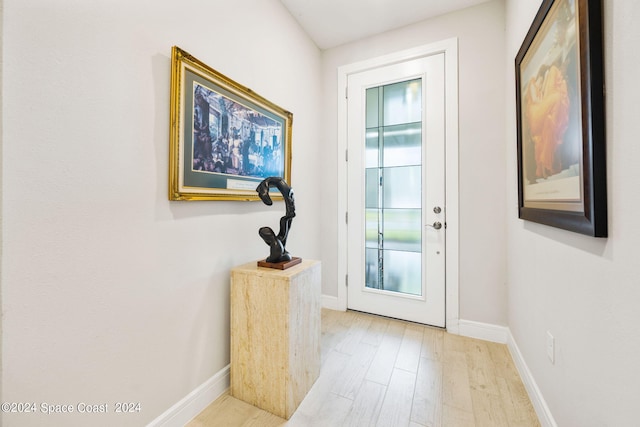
224, 138
560, 119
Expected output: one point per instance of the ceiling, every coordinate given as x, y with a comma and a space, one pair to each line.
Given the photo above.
331, 23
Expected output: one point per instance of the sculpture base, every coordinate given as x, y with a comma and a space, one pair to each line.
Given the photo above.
282, 265
275, 335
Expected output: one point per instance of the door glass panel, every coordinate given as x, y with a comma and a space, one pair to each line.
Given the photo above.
373, 111
402, 229
402, 272
402, 145
402, 187
372, 231
372, 149
402, 102
372, 188
372, 269
393, 180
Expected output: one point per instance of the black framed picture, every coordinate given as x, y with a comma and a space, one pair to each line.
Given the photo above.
560, 119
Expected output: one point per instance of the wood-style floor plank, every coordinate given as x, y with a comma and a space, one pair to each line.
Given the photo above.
410, 348
385, 372
229, 411
349, 382
396, 407
427, 398
452, 416
482, 372
456, 389
376, 331
383, 362
488, 409
432, 343
366, 406
517, 405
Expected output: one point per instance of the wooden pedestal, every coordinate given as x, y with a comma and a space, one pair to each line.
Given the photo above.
275, 335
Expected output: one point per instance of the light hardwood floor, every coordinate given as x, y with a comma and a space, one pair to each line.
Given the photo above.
384, 372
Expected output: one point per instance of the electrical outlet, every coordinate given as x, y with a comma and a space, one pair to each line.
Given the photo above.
551, 347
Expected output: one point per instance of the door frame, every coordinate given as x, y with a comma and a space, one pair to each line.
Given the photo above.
450, 49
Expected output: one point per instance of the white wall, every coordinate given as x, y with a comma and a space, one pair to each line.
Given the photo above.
585, 291
1, 187
109, 291
480, 31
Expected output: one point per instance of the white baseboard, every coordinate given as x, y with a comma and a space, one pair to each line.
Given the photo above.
330, 302
453, 326
483, 331
195, 402
537, 400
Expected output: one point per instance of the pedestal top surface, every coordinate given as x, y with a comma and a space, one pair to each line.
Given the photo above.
252, 267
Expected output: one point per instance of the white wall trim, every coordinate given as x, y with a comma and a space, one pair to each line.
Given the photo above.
537, 400
341, 270
450, 48
452, 187
330, 302
483, 331
195, 402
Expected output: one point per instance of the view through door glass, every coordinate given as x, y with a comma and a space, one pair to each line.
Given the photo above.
393, 188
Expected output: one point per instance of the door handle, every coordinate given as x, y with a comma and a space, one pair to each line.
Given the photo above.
437, 225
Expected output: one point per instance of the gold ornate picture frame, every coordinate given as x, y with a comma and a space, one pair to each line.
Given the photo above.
224, 138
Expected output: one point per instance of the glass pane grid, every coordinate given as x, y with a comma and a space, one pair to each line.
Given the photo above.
393, 188
402, 102
403, 272
402, 187
402, 145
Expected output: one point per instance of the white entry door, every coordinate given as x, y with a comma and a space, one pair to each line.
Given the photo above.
396, 190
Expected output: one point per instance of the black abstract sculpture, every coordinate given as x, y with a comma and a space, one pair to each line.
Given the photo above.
277, 242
